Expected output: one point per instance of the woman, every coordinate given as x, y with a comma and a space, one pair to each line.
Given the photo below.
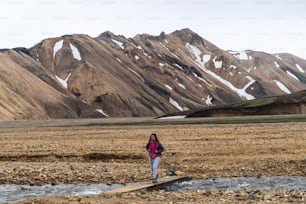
155, 149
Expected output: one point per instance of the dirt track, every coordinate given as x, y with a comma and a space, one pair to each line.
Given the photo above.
115, 154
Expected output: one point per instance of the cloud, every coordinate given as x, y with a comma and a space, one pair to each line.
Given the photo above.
271, 26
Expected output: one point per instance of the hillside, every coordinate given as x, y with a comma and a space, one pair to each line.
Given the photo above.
278, 105
114, 76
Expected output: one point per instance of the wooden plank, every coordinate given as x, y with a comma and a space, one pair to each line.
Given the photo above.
148, 185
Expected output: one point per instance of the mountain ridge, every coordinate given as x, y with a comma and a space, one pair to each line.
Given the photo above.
150, 75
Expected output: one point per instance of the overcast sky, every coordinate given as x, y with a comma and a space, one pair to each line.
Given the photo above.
266, 25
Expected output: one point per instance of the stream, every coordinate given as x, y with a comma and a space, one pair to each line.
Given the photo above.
11, 192
242, 183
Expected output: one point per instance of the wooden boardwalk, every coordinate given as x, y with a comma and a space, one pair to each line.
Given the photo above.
148, 185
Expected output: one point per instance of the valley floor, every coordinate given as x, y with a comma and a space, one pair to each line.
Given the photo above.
95, 153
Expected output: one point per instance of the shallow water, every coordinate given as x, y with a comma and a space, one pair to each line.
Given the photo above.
12, 192
241, 183
18, 192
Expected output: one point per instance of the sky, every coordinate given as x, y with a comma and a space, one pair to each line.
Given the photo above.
273, 26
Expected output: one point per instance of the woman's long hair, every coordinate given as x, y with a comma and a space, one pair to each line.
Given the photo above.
155, 138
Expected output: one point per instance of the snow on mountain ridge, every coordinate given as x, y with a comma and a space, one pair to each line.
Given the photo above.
241, 55
299, 68
75, 52
57, 46
120, 44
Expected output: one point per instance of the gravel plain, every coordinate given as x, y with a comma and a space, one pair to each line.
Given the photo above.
71, 154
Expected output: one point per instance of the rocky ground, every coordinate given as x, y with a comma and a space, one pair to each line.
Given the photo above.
115, 154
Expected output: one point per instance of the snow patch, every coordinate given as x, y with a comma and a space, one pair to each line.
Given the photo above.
146, 54
161, 64
233, 66
218, 64
37, 57
58, 45
206, 58
200, 78
139, 47
120, 44
136, 57
168, 87
276, 64
178, 66
299, 68
142, 50
101, 111
63, 82
240, 55
75, 52
292, 75
196, 54
231, 73
138, 75
175, 104
118, 59
282, 87
278, 57
241, 92
181, 85
208, 100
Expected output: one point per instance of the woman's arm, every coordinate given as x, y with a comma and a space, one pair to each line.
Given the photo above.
160, 148
147, 147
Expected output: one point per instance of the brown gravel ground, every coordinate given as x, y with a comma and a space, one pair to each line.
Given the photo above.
115, 154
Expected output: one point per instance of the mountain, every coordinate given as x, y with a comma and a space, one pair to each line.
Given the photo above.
114, 76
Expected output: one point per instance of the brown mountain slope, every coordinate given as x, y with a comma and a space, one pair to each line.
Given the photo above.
25, 96
148, 75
